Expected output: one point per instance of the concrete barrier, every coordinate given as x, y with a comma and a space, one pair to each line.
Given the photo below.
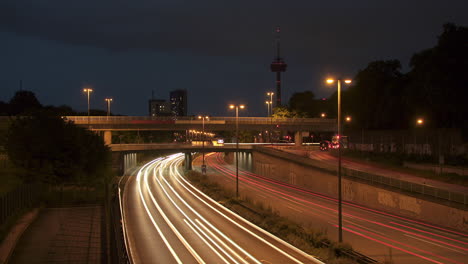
292, 169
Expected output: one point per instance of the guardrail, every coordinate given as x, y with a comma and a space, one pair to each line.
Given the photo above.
457, 199
429, 191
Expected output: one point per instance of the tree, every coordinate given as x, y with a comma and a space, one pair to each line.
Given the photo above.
284, 112
304, 104
51, 150
438, 80
23, 102
375, 98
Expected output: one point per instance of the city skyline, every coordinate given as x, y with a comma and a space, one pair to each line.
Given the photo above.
219, 52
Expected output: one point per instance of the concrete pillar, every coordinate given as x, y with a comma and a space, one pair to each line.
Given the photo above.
298, 138
107, 137
188, 161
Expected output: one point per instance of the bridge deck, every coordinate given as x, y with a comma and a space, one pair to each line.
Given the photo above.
214, 124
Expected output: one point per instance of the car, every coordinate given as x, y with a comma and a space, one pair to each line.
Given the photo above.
325, 145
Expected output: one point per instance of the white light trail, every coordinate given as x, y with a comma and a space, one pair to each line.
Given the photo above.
174, 254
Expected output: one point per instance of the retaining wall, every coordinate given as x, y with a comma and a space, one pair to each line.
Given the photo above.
304, 174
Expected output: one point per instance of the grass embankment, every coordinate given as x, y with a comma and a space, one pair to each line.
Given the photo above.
313, 242
395, 162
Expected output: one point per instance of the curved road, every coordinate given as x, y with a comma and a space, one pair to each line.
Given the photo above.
167, 220
377, 234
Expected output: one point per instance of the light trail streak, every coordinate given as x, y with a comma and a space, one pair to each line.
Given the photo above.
392, 246
435, 244
201, 217
245, 221
423, 231
169, 222
194, 211
275, 183
202, 236
332, 199
166, 242
397, 242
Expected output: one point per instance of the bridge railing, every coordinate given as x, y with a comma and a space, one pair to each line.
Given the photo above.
105, 119
194, 120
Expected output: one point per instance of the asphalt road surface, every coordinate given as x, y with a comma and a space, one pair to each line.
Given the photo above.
377, 234
167, 220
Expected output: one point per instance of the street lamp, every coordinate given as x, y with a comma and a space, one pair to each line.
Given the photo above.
203, 118
108, 100
237, 144
88, 91
323, 115
340, 211
268, 103
348, 119
271, 101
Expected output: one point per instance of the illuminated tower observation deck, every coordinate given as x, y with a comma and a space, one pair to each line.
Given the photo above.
278, 65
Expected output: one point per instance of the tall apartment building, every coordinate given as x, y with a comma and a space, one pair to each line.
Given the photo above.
178, 100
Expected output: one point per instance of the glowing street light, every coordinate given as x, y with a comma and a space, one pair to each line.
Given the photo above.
203, 118
348, 119
340, 212
323, 115
271, 96
419, 121
108, 100
237, 144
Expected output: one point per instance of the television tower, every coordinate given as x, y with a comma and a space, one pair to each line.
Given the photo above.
278, 66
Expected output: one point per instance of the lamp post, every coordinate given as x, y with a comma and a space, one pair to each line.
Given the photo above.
268, 103
88, 91
203, 118
340, 211
108, 100
271, 101
237, 144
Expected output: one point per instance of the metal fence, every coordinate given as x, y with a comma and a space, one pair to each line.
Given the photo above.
18, 199
429, 191
454, 197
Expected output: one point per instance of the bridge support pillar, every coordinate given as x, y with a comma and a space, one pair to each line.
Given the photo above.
188, 161
298, 138
107, 137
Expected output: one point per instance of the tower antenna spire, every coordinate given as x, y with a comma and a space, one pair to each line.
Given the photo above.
278, 66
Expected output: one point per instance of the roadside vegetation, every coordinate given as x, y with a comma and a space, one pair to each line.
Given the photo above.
313, 242
46, 160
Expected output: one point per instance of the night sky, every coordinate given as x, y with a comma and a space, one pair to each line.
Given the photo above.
220, 51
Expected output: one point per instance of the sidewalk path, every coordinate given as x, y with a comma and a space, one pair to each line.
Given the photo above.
62, 235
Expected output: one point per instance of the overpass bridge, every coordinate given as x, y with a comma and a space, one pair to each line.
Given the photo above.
124, 155
141, 123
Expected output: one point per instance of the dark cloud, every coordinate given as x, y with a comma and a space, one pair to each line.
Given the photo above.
220, 27
221, 48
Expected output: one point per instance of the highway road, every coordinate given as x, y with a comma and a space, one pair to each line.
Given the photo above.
376, 234
328, 158
167, 220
